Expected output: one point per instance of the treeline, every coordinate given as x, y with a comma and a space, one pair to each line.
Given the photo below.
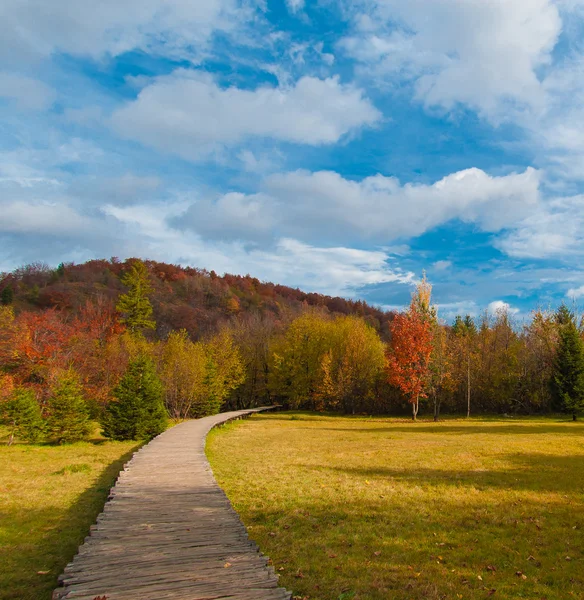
88, 356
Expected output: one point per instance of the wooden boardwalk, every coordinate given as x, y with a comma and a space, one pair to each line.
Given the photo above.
169, 532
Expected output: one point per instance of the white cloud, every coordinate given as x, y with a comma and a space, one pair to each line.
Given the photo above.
186, 113
43, 218
25, 92
125, 189
335, 271
442, 265
180, 28
480, 53
295, 6
575, 292
498, 306
555, 229
449, 310
326, 207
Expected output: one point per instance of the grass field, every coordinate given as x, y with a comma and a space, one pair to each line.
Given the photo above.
49, 496
354, 508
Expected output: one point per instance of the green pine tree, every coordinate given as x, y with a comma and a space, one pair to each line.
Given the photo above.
7, 295
138, 411
568, 374
135, 306
22, 415
68, 419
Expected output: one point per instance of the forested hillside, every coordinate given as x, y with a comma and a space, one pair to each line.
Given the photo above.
88, 335
182, 297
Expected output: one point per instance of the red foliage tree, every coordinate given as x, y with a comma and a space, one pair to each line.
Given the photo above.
409, 355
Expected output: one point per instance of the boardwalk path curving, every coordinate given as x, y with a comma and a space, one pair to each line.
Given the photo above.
169, 532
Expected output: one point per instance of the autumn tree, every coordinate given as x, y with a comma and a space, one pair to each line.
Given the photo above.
137, 411
296, 361
21, 414
464, 331
253, 336
441, 366
68, 416
224, 370
352, 366
182, 369
568, 372
135, 306
540, 341
411, 348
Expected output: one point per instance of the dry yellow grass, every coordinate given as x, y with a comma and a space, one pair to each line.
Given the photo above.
372, 509
49, 496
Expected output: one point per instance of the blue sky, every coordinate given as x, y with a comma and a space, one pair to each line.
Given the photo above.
338, 146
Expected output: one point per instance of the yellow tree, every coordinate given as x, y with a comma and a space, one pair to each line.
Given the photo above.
353, 365
296, 361
182, 368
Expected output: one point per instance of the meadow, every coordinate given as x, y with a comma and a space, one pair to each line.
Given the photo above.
49, 497
372, 508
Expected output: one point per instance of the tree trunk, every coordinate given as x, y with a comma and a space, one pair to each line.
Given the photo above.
415, 409
468, 387
11, 439
574, 417
435, 407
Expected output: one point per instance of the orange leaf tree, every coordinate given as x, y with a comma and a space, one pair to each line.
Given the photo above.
409, 355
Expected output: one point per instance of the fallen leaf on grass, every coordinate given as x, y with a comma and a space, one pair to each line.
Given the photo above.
226, 565
43, 572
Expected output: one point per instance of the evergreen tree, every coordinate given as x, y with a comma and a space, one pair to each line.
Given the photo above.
7, 295
22, 415
135, 306
68, 419
568, 373
138, 411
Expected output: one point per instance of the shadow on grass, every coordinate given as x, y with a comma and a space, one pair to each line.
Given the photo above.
51, 539
530, 428
330, 544
534, 472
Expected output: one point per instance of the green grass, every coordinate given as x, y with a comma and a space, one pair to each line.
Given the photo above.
367, 508
49, 496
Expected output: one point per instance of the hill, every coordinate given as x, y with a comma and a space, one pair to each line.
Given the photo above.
190, 298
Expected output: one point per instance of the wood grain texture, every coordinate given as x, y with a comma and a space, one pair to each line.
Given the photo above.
168, 531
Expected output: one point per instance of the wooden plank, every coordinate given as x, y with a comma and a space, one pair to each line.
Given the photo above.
168, 532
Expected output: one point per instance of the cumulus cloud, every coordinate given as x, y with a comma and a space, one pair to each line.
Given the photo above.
575, 292
331, 270
187, 113
55, 219
327, 207
38, 29
480, 53
498, 306
555, 229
